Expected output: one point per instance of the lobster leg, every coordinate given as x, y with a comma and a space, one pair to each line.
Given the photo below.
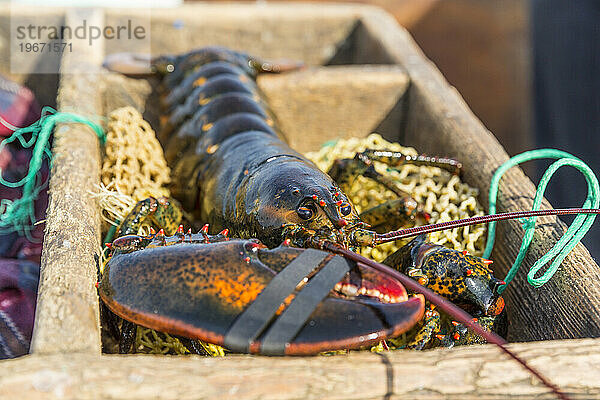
396, 159
425, 333
128, 330
406, 208
460, 335
193, 346
438, 330
441, 331
112, 321
163, 212
346, 170
387, 215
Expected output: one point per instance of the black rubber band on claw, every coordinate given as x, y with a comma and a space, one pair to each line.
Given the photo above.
253, 321
250, 324
293, 318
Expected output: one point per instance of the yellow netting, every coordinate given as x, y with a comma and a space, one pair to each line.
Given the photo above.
134, 163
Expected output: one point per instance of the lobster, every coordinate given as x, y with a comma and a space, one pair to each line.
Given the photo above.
235, 172
238, 174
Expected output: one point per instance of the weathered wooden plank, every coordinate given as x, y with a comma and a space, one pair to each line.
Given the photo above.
357, 99
67, 317
439, 122
291, 31
478, 372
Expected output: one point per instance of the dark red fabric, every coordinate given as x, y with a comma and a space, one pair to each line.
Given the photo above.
14, 163
18, 106
18, 291
19, 255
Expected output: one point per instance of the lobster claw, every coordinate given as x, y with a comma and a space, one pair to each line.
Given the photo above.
457, 275
238, 294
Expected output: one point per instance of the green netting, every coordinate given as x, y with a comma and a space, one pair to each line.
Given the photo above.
19, 215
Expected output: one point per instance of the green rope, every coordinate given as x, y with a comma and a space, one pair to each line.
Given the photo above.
111, 232
572, 236
19, 215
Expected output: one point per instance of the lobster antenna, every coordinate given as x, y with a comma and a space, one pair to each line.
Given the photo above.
417, 230
448, 307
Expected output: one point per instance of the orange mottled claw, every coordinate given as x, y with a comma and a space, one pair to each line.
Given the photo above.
199, 290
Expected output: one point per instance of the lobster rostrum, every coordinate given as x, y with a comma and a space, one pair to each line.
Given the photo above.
235, 172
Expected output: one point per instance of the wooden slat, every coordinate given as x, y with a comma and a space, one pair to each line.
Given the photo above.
357, 99
478, 372
67, 317
289, 31
439, 122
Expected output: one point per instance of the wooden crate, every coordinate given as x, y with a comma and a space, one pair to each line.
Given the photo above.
403, 96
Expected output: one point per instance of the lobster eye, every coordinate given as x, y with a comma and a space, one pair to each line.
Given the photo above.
345, 209
305, 212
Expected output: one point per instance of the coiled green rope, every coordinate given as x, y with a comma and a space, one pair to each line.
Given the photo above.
574, 233
19, 215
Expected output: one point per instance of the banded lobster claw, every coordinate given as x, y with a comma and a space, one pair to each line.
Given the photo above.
237, 293
460, 277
